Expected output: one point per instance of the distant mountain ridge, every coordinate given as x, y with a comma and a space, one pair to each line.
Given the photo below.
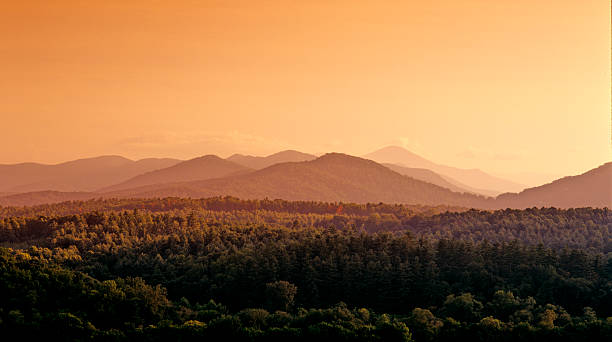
474, 178
78, 175
332, 177
201, 168
259, 163
429, 176
590, 189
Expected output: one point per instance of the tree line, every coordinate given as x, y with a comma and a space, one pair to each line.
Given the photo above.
274, 273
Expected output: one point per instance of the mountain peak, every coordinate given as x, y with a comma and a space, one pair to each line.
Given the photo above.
338, 156
276, 158
290, 153
107, 160
331, 177
207, 157
199, 168
399, 155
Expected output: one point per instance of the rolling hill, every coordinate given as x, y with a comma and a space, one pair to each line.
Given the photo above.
332, 177
77, 175
259, 163
201, 168
336, 177
473, 178
44, 197
590, 189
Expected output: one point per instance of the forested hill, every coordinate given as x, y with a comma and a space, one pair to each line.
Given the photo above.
226, 203
44, 197
332, 177
590, 189
584, 228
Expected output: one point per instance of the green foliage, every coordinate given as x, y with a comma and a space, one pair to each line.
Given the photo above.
424, 324
280, 295
463, 308
159, 271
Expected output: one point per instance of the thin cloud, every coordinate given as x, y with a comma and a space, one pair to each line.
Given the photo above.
191, 144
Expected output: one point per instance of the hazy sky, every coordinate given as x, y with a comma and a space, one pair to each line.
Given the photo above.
507, 86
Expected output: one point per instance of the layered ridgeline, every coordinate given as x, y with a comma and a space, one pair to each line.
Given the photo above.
78, 175
340, 177
332, 177
431, 177
473, 180
257, 163
205, 167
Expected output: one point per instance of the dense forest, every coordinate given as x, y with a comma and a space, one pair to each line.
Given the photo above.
257, 270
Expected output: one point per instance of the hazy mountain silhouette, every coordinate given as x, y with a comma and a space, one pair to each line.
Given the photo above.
400, 155
429, 176
77, 175
332, 177
258, 163
201, 168
590, 189
486, 192
474, 178
338, 177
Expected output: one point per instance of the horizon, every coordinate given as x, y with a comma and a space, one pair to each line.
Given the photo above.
509, 87
528, 180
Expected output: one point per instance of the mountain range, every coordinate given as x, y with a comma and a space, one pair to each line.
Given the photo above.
78, 175
291, 175
206, 167
475, 178
258, 163
434, 178
331, 177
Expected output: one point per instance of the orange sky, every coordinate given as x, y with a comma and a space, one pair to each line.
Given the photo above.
505, 86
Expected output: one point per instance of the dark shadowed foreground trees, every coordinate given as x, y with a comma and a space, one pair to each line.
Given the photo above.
304, 271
